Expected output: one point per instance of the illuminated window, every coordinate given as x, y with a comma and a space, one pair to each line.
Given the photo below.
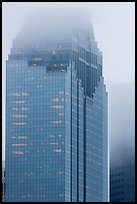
24, 94
15, 108
19, 123
17, 152
29, 78
15, 94
56, 121
57, 150
19, 101
19, 94
59, 135
19, 116
24, 108
61, 92
61, 114
18, 145
27, 196
54, 99
22, 137
53, 143
57, 107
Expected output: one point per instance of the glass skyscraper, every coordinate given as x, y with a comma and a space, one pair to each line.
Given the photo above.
56, 113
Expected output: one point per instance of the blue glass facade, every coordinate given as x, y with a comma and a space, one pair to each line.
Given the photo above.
96, 143
56, 123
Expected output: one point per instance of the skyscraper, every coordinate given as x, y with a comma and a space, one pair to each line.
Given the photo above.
56, 112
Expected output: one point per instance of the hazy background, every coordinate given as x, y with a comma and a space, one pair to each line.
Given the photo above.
114, 29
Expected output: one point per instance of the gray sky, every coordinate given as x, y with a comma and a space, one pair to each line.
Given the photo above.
114, 28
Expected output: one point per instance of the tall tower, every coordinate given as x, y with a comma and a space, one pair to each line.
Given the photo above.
56, 112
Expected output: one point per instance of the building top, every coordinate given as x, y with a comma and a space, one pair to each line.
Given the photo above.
55, 26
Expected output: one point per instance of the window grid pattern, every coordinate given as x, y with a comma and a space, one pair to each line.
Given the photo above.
35, 150
56, 125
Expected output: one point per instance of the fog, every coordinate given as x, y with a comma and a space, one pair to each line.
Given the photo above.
54, 25
122, 123
114, 30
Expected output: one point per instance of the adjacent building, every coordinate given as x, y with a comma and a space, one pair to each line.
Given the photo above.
56, 113
122, 186
122, 176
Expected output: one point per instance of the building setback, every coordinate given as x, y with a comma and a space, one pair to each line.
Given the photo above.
56, 114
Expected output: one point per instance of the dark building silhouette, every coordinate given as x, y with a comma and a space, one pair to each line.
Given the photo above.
122, 176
